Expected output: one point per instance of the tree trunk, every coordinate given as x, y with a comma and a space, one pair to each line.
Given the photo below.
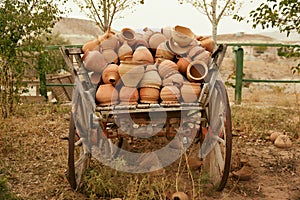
214, 21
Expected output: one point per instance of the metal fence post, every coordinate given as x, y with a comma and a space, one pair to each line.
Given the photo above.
42, 75
239, 63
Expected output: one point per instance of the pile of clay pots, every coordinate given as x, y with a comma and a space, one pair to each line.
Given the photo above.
166, 66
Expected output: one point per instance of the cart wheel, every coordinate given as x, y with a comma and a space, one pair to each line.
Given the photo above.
217, 162
71, 164
77, 164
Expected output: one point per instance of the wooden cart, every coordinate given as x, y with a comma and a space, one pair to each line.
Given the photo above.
99, 132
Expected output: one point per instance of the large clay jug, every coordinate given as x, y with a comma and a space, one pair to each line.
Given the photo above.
142, 54
128, 95
111, 42
106, 95
208, 43
127, 34
151, 77
163, 52
95, 61
156, 39
124, 50
131, 72
149, 95
196, 71
190, 91
166, 67
111, 74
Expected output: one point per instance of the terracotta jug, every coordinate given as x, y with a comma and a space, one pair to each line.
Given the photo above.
110, 56
174, 77
183, 63
190, 91
196, 71
142, 54
170, 94
90, 45
111, 74
195, 51
166, 67
124, 50
204, 56
131, 73
149, 95
208, 43
95, 61
147, 33
110, 42
151, 77
127, 34
106, 95
156, 39
95, 77
128, 95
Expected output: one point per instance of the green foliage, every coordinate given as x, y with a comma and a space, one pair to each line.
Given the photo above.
22, 23
4, 190
103, 12
283, 14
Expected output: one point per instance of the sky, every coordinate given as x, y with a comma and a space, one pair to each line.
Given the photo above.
161, 13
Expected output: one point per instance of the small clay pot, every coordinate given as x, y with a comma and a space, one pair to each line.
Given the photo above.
106, 95
190, 91
142, 54
166, 67
124, 50
183, 36
147, 33
170, 94
151, 77
127, 34
180, 196
95, 61
90, 45
183, 63
208, 43
111, 74
163, 52
156, 39
149, 95
196, 71
110, 56
128, 95
131, 72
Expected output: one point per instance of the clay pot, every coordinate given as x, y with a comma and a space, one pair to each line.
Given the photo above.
147, 33
208, 43
106, 95
110, 56
111, 42
283, 141
91, 45
156, 39
111, 74
274, 135
124, 51
142, 54
196, 71
183, 63
127, 34
163, 52
167, 31
195, 50
170, 94
140, 41
174, 77
178, 50
179, 196
95, 61
190, 91
129, 95
151, 77
149, 95
183, 36
166, 67
131, 72
204, 56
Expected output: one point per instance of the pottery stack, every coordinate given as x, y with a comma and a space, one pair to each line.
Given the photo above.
167, 66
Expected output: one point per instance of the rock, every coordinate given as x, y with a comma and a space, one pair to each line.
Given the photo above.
244, 174
274, 135
180, 196
283, 141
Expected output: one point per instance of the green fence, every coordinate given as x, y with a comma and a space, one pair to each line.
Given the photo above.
239, 66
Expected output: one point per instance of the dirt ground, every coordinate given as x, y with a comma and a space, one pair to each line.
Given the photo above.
34, 156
